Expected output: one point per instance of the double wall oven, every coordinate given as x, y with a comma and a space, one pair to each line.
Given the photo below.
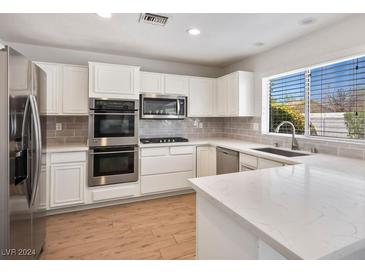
113, 141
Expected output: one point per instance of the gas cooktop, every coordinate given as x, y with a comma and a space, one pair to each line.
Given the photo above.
163, 140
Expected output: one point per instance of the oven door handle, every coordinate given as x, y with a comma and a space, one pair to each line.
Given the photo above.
114, 113
113, 152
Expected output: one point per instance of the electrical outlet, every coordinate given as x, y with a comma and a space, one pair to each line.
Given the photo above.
196, 123
58, 126
255, 126
200, 124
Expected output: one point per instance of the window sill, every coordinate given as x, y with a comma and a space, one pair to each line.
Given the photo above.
312, 138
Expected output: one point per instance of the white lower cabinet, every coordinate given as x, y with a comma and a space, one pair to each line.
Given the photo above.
113, 192
67, 184
165, 169
67, 179
264, 163
206, 164
165, 182
250, 162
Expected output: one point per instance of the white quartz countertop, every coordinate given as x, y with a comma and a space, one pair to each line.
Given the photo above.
66, 148
314, 209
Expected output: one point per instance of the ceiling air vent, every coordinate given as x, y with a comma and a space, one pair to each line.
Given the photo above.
154, 19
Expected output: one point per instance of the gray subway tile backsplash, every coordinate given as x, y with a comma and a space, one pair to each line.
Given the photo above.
75, 130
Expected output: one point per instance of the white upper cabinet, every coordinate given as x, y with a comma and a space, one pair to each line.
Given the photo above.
228, 96
201, 97
232, 91
221, 97
50, 85
113, 81
152, 82
74, 90
65, 87
176, 84
235, 95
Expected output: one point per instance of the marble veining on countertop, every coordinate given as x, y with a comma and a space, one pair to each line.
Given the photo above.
312, 210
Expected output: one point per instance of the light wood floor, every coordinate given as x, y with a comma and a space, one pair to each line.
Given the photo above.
155, 229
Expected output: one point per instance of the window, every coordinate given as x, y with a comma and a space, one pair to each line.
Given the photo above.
324, 101
287, 102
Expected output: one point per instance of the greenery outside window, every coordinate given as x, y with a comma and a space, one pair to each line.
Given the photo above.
323, 101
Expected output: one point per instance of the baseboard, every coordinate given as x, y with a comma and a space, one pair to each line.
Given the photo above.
117, 202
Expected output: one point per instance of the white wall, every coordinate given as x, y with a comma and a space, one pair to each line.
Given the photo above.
78, 57
340, 40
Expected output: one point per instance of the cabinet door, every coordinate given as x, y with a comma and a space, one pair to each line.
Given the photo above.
67, 183
232, 94
74, 90
221, 97
201, 93
152, 82
176, 84
206, 161
113, 81
50, 87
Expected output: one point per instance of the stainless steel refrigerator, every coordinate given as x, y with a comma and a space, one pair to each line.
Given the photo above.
22, 136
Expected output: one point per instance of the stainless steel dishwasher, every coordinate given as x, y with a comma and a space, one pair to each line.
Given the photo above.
227, 161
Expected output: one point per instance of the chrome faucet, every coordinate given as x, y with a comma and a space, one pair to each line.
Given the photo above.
294, 142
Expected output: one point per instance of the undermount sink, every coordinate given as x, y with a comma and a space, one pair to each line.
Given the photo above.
286, 153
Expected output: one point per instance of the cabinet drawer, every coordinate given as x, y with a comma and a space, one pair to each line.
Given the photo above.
165, 182
114, 193
154, 151
67, 157
182, 150
248, 160
264, 163
166, 164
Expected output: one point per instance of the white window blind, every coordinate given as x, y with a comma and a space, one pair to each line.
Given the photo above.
337, 99
334, 96
287, 102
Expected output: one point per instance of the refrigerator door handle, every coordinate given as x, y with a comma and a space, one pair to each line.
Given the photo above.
38, 143
25, 119
21, 157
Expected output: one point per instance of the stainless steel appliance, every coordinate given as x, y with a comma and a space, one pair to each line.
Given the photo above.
23, 134
156, 106
113, 122
163, 140
113, 165
227, 161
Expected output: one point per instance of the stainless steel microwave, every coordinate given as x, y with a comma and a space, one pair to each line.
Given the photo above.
157, 106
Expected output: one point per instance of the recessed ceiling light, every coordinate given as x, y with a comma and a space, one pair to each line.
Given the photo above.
258, 44
104, 14
193, 31
307, 21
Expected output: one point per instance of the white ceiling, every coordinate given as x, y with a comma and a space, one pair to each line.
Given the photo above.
224, 39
